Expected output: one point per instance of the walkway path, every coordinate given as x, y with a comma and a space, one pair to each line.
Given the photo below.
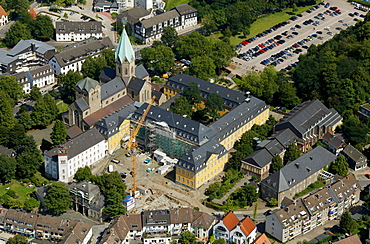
237, 185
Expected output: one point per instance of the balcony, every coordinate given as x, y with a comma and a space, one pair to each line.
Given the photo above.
156, 235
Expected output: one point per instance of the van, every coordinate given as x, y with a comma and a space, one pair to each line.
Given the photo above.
115, 161
110, 168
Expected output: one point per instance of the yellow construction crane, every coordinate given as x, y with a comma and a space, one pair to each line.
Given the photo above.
132, 144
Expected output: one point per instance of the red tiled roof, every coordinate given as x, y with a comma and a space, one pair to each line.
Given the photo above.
74, 131
230, 220
262, 239
247, 226
349, 240
275, 242
101, 113
2, 11
157, 86
32, 13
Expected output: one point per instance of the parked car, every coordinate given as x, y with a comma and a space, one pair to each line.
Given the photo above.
367, 175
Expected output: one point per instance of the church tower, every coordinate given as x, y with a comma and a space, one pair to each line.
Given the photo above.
125, 57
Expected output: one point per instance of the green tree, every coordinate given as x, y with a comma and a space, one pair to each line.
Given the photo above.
59, 133
92, 67
219, 241
35, 94
57, 198
6, 110
159, 58
277, 163
347, 224
44, 111
11, 86
245, 195
112, 180
169, 36
182, 107
83, 174
355, 129
273, 202
17, 239
192, 93
187, 238
114, 206
203, 67
17, 32
287, 95
7, 168
25, 120
17, 135
294, 7
292, 153
68, 82
339, 166
108, 55
31, 203
213, 105
43, 28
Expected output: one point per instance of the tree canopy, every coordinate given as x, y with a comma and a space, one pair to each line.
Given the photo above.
292, 153
339, 166
114, 204
158, 58
347, 224
57, 198
17, 32
187, 238
277, 163
17, 239
169, 36
59, 133
68, 83
43, 28
11, 86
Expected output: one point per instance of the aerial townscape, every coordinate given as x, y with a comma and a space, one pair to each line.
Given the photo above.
184, 121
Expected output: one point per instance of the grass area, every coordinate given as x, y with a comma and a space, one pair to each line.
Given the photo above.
313, 186
263, 23
63, 107
22, 191
172, 3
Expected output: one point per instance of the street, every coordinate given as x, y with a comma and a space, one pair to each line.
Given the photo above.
240, 66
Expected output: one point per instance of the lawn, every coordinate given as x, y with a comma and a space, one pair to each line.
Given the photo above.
22, 191
265, 22
172, 3
63, 107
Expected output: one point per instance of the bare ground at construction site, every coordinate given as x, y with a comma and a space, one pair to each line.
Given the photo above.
163, 192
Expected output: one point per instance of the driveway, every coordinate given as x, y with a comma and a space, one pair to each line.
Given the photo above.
240, 66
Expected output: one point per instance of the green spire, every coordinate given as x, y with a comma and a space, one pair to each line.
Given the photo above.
124, 49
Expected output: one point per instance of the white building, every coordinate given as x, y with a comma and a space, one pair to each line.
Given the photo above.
62, 162
72, 57
232, 230
39, 77
3, 16
77, 31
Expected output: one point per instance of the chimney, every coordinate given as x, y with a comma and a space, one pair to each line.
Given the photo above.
33, 47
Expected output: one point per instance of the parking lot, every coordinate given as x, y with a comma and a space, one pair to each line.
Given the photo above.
281, 46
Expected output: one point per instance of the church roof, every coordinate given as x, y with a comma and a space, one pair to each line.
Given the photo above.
124, 49
87, 84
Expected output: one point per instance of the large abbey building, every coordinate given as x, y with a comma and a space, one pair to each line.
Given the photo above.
114, 90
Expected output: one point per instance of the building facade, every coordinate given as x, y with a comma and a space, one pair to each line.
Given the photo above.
304, 215
62, 162
77, 31
355, 158
3, 16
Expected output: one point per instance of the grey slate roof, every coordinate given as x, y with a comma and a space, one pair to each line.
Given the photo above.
6, 58
140, 71
155, 217
231, 98
306, 115
78, 27
107, 74
259, 158
79, 144
82, 49
196, 158
133, 15
92, 190
136, 84
354, 154
335, 141
148, 23
300, 169
185, 9
87, 84
6, 151
109, 125
41, 47
82, 104
285, 137
237, 117
185, 128
112, 87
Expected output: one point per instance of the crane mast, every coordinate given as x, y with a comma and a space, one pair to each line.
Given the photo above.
132, 145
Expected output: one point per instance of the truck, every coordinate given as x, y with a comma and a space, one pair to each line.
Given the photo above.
110, 168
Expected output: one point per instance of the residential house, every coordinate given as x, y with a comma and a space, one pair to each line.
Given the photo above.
44, 227
62, 162
304, 215
77, 31
112, 6
297, 175
232, 230
335, 142
159, 226
7, 152
116, 127
150, 29
349, 240
309, 121
39, 77
355, 158
133, 16
262, 239
73, 56
258, 163
3, 16
87, 199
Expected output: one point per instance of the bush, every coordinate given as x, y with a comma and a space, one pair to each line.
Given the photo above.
313, 186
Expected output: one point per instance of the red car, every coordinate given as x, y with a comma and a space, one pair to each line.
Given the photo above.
368, 176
